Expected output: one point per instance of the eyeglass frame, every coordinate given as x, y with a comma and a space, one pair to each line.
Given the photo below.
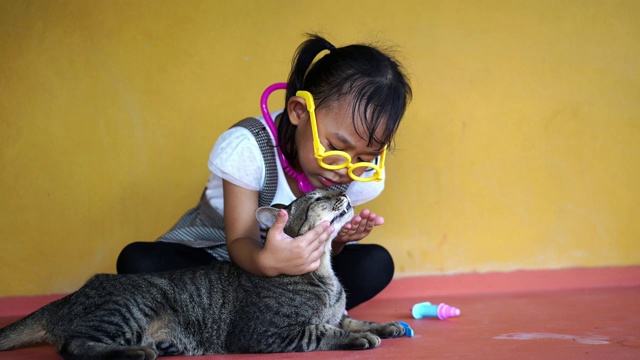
320, 152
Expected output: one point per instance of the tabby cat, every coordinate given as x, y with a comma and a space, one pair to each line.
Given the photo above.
206, 310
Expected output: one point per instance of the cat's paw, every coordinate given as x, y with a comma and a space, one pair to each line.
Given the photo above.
363, 341
134, 353
166, 348
387, 330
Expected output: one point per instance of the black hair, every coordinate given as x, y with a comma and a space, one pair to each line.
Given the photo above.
373, 81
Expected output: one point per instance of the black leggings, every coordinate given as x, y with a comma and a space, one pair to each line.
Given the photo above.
363, 269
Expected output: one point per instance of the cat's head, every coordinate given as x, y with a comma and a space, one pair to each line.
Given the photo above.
308, 211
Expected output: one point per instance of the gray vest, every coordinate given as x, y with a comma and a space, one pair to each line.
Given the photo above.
203, 226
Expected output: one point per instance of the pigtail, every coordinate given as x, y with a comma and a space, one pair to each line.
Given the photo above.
304, 56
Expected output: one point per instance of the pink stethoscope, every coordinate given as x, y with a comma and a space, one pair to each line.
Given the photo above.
303, 182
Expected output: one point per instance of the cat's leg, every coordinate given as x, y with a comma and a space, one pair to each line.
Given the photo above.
82, 349
384, 330
328, 337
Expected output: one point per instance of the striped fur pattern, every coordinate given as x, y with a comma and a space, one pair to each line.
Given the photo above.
207, 310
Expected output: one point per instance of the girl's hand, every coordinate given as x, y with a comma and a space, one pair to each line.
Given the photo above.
357, 229
283, 254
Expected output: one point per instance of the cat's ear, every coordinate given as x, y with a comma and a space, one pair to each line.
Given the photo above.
267, 215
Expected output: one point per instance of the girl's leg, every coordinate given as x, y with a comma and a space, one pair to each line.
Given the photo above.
364, 270
149, 257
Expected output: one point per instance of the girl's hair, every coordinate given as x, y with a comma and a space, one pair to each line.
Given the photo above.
372, 80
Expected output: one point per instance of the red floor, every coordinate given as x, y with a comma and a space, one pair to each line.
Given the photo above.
580, 323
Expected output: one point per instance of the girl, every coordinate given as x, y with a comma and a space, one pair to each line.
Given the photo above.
340, 116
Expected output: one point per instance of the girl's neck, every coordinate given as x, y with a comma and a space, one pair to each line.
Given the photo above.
293, 183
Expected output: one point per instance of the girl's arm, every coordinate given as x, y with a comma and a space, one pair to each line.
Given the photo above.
281, 253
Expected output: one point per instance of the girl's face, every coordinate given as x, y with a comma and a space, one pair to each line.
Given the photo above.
336, 132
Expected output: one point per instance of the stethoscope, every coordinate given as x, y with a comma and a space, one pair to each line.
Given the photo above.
303, 182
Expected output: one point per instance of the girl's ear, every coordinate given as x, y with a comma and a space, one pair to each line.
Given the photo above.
297, 109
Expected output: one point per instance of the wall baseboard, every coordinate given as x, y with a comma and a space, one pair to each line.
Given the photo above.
512, 282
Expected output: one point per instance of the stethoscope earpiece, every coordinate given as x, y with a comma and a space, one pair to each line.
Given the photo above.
303, 182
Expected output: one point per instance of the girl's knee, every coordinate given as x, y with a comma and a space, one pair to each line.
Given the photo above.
133, 259
380, 258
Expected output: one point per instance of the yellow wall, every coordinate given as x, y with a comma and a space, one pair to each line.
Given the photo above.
520, 151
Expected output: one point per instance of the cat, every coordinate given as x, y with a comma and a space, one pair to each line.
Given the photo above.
209, 310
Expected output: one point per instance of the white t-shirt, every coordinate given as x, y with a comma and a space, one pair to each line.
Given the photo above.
236, 157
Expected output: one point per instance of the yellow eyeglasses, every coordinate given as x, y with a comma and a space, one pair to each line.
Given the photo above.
336, 159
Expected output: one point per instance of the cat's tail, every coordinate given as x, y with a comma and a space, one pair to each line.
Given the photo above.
26, 331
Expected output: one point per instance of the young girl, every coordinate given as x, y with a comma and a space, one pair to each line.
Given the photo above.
343, 110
